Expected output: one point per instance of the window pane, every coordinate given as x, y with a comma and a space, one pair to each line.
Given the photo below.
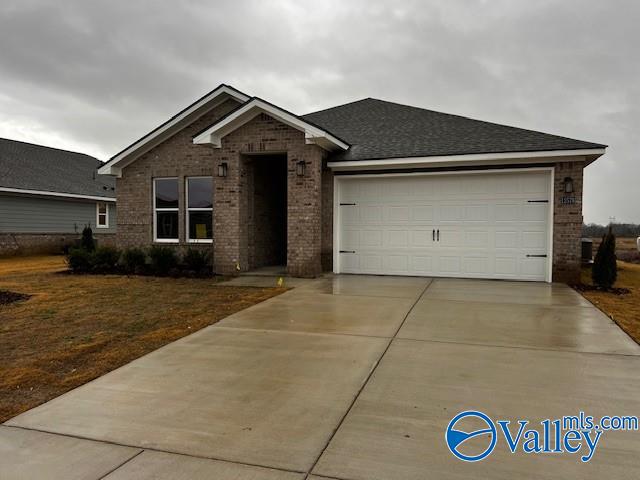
167, 225
200, 225
102, 220
166, 193
102, 208
200, 192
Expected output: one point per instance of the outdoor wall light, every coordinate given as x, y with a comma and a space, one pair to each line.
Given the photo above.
568, 185
222, 169
301, 168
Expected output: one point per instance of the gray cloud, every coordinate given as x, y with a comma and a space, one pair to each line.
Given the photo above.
94, 76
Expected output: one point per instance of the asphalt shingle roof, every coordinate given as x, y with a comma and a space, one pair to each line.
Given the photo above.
378, 129
35, 167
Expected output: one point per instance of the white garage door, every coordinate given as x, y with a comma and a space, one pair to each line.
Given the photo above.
474, 225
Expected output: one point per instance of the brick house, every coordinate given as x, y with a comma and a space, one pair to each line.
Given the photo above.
367, 187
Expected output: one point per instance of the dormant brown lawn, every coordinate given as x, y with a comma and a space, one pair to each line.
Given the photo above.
75, 328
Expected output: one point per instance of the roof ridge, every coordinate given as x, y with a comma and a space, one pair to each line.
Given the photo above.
50, 148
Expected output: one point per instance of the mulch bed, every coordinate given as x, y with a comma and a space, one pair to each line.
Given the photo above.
581, 287
7, 297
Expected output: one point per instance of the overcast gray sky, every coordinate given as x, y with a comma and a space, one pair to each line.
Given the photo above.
94, 76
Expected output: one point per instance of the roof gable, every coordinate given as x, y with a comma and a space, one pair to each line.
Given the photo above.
161, 133
255, 106
378, 129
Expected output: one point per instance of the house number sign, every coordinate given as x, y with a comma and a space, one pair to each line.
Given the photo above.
567, 200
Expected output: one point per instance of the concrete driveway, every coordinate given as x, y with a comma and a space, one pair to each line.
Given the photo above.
347, 377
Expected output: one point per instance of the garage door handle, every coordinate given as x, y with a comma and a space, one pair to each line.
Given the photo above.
536, 256
347, 251
433, 234
438, 234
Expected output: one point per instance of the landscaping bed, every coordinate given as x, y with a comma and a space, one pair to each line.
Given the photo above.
7, 297
622, 304
75, 328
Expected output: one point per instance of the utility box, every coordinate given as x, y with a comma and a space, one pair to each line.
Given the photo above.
587, 250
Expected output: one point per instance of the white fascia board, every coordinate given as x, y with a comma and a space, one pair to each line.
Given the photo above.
112, 167
548, 156
313, 135
56, 194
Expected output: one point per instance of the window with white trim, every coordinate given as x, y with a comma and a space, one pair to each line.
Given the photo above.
165, 210
102, 215
199, 196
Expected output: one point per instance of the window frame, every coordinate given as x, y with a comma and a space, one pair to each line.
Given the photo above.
195, 209
172, 209
106, 215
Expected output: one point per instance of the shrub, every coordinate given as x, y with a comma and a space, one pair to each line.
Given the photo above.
163, 259
87, 242
105, 259
79, 260
197, 261
605, 270
134, 260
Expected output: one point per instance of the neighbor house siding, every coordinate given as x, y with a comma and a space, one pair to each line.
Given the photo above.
28, 214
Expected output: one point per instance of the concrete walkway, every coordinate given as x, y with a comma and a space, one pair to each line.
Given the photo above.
348, 377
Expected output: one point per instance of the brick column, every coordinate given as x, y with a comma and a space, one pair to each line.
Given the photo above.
567, 223
227, 206
304, 213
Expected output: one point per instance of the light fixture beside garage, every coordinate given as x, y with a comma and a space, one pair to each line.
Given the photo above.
301, 168
222, 169
568, 185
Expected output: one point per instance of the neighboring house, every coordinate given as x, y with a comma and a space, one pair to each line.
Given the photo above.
47, 196
367, 187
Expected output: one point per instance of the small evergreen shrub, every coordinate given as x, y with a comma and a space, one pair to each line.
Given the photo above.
79, 260
197, 262
163, 259
105, 259
134, 260
605, 271
87, 242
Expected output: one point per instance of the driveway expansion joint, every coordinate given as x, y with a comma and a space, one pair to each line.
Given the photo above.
366, 381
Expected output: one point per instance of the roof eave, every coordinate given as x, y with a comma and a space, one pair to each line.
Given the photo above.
549, 156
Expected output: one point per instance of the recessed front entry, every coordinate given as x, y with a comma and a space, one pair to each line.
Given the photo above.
473, 225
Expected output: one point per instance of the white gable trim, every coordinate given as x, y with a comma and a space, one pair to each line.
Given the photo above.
23, 191
313, 135
549, 156
155, 137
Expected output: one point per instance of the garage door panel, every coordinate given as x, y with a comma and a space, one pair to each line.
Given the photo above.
422, 238
477, 239
488, 224
422, 213
397, 238
398, 213
371, 238
476, 265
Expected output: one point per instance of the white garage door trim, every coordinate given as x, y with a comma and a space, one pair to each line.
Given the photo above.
340, 179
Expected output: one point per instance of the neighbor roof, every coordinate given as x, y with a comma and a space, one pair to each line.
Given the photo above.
38, 169
377, 129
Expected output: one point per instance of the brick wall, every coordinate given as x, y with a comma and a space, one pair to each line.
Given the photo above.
567, 223
265, 135
233, 213
34, 243
175, 157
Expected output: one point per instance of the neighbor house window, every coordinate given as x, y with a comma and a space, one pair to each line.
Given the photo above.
199, 193
102, 215
165, 209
